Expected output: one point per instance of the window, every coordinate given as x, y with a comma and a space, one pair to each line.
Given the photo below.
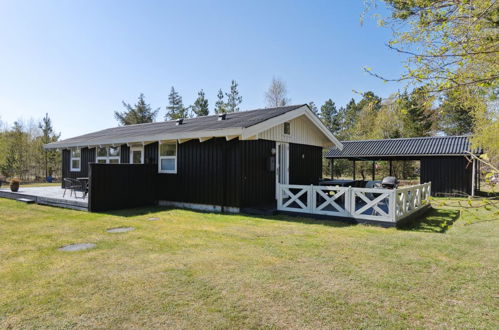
136, 155
287, 128
167, 158
75, 161
108, 155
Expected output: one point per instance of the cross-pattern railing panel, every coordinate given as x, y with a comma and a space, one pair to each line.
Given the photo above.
330, 201
410, 199
294, 198
360, 203
372, 204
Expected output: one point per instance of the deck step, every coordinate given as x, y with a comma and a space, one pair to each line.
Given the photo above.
26, 200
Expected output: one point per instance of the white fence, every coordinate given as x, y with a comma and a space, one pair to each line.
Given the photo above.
360, 203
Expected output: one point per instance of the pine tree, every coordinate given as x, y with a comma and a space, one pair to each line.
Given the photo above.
233, 98
417, 112
175, 109
200, 106
17, 150
330, 117
48, 136
456, 115
220, 104
313, 107
139, 113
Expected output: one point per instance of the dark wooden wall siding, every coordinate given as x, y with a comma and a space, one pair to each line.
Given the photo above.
87, 157
125, 154
151, 153
447, 174
257, 182
121, 186
305, 164
215, 172
207, 173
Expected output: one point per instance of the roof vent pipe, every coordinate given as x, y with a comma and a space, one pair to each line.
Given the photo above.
180, 121
222, 116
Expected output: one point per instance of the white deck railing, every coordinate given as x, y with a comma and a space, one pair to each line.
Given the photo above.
360, 203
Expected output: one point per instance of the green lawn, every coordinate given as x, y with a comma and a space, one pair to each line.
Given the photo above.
196, 270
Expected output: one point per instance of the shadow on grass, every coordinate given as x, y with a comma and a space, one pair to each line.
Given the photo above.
434, 221
305, 220
143, 211
134, 212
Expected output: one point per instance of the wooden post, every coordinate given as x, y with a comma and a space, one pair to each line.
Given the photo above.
478, 173
332, 168
374, 170
353, 162
473, 178
391, 168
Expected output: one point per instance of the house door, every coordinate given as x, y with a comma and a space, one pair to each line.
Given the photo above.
136, 155
282, 164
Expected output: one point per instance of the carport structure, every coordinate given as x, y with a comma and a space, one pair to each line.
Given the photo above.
445, 160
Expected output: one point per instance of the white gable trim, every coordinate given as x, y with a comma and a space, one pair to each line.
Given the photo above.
288, 116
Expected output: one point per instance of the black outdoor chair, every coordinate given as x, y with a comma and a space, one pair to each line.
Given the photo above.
73, 185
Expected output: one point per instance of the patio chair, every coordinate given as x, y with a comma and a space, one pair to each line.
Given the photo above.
73, 185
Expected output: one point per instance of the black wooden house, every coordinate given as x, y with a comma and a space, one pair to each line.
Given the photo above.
218, 163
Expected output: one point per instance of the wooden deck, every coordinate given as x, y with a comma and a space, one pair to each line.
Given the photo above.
52, 196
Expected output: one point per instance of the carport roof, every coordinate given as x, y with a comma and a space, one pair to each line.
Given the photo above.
403, 148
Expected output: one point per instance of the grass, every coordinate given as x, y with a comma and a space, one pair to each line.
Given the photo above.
198, 270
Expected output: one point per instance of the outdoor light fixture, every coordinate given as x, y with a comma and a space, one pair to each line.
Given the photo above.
272, 151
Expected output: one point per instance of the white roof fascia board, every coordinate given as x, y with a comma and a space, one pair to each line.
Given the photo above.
157, 137
263, 126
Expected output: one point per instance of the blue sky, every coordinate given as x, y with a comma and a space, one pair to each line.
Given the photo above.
77, 60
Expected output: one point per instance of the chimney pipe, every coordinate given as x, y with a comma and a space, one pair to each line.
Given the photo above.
180, 121
222, 116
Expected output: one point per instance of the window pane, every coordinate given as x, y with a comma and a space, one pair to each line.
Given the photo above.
287, 128
75, 163
169, 149
114, 161
75, 153
168, 164
136, 157
101, 152
114, 151
101, 161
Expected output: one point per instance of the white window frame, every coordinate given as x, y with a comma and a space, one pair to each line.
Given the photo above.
137, 148
71, 158
167, 157
288, 124
107, 158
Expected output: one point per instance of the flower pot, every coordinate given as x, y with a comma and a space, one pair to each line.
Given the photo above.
14, 186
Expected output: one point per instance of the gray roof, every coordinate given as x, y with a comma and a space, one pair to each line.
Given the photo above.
403, 147
242, 119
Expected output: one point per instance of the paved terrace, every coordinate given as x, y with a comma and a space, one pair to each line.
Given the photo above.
52, 195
